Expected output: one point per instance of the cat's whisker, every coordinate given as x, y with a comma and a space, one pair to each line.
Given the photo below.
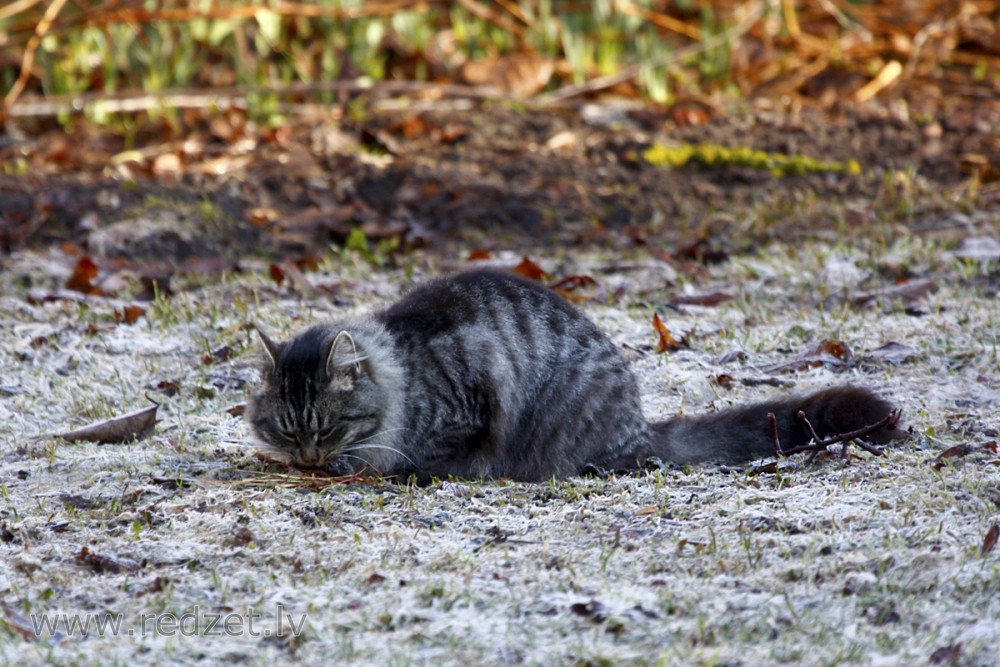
375, 435
359, 458
354, 448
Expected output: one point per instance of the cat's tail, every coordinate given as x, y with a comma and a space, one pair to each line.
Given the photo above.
743, 433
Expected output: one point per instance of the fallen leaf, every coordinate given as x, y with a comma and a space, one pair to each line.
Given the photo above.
830, 353
593, 610
20, 624
666, 343
127, 428
990, 541
277, 274
892, 352
703, 251
567, 286
128, 314
477, 254
904, 290
946, 654
167, 387
157, 585
964, 449
529, 269
724, 380
109, 564
217, 355
82, 278
237, 410
710, 299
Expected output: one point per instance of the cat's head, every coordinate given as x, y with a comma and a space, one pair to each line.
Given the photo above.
318, 399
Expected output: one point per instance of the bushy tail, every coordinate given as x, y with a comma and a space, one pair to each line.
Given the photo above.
743, 433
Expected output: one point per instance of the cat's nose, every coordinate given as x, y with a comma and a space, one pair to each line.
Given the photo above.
308, 451
309, 455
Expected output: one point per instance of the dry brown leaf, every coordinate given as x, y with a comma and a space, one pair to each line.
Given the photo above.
218, 355
277, 274
110, 564
964, 449
830, 353
128, 314
990, 541
568, 286
709, 299
946, 654
21, 625
529, 269
127, 428
477, 254
82, 279
666, 342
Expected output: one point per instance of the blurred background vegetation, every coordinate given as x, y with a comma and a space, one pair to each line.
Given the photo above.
59, 57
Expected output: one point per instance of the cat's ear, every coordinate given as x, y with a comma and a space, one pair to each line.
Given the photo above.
271, 349
344, 358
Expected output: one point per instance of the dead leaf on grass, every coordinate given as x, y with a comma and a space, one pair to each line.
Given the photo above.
892, 352
593, 610
217, 355
83, 276
990, 541
529, 269
128, 314
21, 625
831, 353
946, 654
568, 286
110, 564
908, 291
709, 299
666, 342
964, 449
477, 254
127, 428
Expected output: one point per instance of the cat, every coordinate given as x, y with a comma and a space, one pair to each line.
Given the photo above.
485, 374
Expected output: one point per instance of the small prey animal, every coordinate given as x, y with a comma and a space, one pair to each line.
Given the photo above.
487, 374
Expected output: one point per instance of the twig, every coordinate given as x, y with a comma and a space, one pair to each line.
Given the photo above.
889, 422
774, 434
235, 96
16, 8
493, 16
28, 61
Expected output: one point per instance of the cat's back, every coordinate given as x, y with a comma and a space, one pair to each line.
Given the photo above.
489, 298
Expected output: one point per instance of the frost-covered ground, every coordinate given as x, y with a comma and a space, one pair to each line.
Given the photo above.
196, 547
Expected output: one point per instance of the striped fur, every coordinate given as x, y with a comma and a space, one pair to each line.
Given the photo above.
486, 374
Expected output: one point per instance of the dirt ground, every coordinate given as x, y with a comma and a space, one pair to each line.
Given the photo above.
485, 175
129, 276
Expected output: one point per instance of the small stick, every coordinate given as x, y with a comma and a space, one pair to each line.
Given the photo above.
889, 421
774, 434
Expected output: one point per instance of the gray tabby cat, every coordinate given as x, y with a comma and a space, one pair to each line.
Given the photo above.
486, 374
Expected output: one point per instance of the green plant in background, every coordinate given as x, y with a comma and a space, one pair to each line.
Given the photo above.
264, 48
